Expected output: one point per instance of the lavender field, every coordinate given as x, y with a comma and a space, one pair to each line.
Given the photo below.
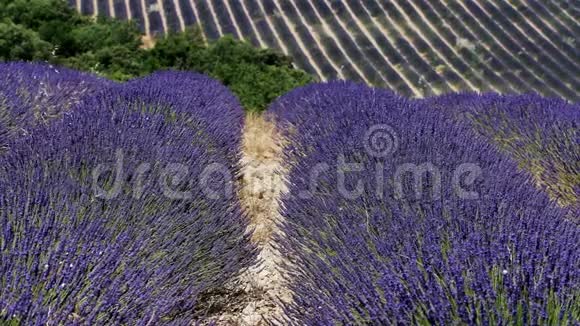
334, 162
414, 47
88, 235
129, 204
418, 217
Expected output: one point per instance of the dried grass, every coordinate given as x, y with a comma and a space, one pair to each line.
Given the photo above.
263, 175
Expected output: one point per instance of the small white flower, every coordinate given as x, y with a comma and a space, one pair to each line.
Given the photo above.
71, 265
45, 266
62, 285
505, 271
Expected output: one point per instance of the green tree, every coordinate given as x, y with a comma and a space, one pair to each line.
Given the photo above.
256, 76
19, 43
49, 30
175, 49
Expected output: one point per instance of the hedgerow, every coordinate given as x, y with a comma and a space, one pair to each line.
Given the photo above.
460, 236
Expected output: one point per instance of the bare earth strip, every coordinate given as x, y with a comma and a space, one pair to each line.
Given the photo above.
262, 289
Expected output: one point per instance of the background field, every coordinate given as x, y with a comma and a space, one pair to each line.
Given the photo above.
417, 47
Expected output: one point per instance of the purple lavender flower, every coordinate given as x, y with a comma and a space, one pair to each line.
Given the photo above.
193, 99
146, 246
460, 236
36, 93
541, 134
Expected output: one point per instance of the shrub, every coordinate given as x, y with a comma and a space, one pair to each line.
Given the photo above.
105, 213
461, 237
256, 76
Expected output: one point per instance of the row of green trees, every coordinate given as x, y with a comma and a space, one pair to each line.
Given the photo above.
51, 31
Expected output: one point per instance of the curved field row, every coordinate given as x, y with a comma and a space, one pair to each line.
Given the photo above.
415, 47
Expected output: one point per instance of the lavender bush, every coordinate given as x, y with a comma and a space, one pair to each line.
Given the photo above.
36, 93
541, 134
195, 100
462, 237
106, 216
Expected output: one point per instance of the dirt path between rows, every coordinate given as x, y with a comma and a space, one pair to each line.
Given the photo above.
263, 286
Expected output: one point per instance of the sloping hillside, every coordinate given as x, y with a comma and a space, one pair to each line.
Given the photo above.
415, 47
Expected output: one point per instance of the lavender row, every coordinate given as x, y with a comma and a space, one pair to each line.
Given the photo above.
198, 102
541, 134
32, 94
446, 228
109, 216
